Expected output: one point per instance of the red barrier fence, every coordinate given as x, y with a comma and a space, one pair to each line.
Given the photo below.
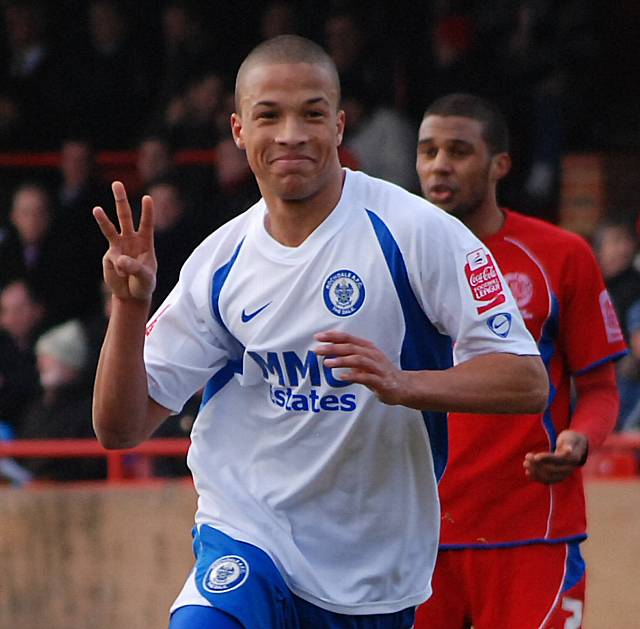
619, 457
118, 466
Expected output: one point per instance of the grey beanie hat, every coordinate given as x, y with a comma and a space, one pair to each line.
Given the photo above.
67, 343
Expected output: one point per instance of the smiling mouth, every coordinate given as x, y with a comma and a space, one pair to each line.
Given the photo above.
292, 158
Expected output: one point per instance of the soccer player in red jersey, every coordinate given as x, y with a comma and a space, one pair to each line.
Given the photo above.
513, 511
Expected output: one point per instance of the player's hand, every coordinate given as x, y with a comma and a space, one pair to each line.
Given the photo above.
130, 265
363, 363
553, 467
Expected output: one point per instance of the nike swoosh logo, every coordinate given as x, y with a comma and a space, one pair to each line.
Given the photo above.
247, 317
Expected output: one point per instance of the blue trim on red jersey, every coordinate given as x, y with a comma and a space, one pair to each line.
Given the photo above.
423, 347
219, 278
547, 347
575, 567
524, 542
598, 363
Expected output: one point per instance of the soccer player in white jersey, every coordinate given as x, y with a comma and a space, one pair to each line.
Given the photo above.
320, 324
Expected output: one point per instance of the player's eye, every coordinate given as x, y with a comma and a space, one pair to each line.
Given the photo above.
429, 152
267, 115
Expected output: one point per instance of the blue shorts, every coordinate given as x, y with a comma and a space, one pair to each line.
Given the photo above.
242, 581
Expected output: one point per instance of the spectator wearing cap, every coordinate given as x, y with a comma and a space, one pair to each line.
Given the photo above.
63, 409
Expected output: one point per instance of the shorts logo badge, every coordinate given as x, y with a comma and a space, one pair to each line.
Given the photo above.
225, 574
343, 293
500, 324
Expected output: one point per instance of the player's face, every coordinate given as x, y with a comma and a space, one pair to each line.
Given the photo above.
454, 164
290, 127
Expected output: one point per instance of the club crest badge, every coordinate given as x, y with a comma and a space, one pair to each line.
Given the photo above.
343, 293
225, 574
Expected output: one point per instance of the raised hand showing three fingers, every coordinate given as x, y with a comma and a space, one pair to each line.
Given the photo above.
130, 265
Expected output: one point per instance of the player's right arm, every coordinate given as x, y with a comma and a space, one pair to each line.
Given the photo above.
123, 413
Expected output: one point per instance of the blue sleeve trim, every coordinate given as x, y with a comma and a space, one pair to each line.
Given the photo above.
423, 347
219, 278
220, 379
608, 359
524, 542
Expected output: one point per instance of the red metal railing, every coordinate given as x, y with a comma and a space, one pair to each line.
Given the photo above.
619, 456
117, 469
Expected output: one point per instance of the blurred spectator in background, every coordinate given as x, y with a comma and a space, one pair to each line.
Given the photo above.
174, 236
630, 373
63, 409
237, 188
78, 191
534, 54
452, 60
155, 158
31, 250
191, 116
616, 247
79, 188
112, 77
95, 328
347, 40
32, 97
381, 139
21, 319
186, 49
279, 18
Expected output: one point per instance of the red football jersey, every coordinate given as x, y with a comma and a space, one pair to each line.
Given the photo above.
486, 498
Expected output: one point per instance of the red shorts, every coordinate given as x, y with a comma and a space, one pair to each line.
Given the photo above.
540, 586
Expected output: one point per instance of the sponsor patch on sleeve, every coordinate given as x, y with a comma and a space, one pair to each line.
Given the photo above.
610, 318
484, 280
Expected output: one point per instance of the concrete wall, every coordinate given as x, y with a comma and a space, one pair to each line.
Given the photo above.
93, 558
100, 557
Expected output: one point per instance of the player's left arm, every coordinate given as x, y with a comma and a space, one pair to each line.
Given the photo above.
593, 419
467, 387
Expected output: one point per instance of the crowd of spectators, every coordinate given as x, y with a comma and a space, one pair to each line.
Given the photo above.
156, 78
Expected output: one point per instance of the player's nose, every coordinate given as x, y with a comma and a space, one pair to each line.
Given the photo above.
292, 130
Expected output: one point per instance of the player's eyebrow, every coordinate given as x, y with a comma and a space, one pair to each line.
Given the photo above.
454, 141
310, 101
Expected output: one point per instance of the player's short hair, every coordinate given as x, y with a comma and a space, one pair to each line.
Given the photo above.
286, 49
494, 126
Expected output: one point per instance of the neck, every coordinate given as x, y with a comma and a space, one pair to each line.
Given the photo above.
291, 222
487, 220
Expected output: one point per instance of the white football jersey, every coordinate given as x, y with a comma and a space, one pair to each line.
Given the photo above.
338, 488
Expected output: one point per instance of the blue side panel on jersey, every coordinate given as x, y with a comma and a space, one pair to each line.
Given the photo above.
547, 347
575, 567
220, 379
423, 347
219, 278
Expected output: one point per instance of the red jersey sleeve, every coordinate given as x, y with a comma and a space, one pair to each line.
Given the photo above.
589, 325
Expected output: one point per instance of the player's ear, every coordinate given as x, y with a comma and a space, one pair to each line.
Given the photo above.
236, 130
340, 118
500, 166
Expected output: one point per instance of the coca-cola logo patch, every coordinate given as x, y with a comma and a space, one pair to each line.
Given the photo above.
484, 280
